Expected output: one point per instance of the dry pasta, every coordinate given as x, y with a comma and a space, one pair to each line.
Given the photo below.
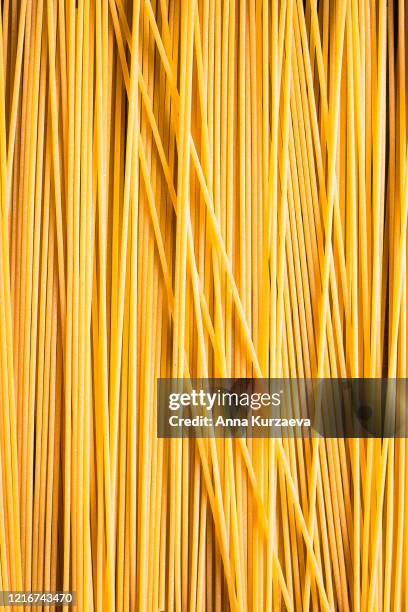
199, 188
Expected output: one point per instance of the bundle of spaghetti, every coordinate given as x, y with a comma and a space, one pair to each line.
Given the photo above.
199, 189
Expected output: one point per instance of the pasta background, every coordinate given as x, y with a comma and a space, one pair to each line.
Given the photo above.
199, 188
